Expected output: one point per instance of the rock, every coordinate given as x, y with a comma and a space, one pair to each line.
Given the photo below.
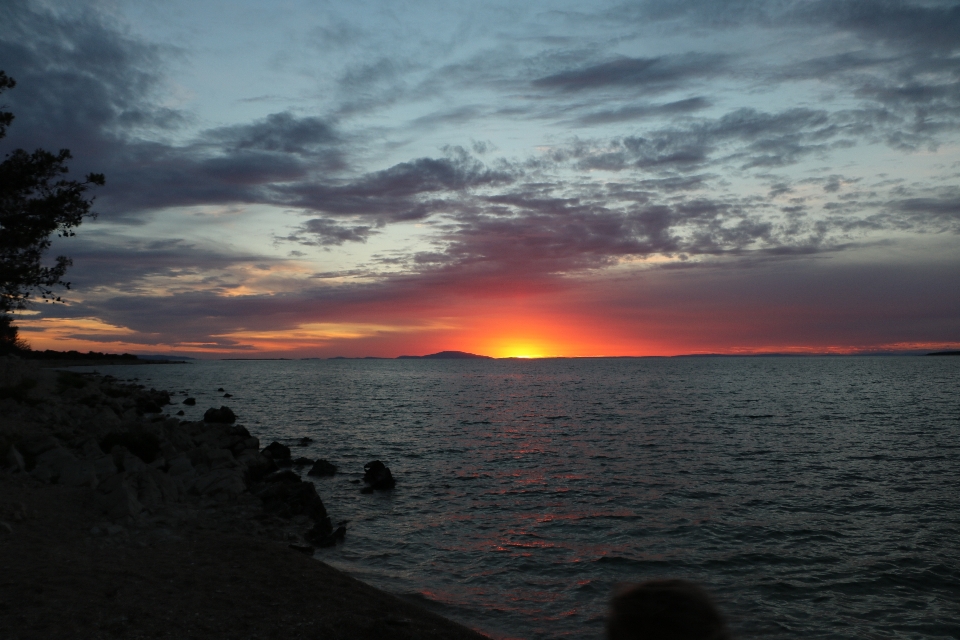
177, 435
335, 537
304, 441
277, 452
256, 464
149, 492
146, 405
223, 415
302, 548
228, 395
289, 499
79, 473
250, 444
51, 464
221, 459
125, 460
322, 534
33, 447
222, 484
179, 466
378, 476
190, 402
366, 490
205, 458
6, 528
14, 462
283, 476
117, 497
104, 467
162, 398
322, 468
320, 531
141, 442
219, 388
223, 436
301, 461
180, 413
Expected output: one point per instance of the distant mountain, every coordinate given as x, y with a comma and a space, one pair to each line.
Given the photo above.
161, 357
449, 355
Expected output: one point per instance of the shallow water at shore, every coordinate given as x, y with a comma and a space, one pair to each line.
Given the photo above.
813, 496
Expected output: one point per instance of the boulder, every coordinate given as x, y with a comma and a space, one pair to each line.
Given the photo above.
288, 499
104, 467
140, 441
321, 533
125, 460
117, 497
179, 466
222, 484
190, 402
79, 473
223, 415
377, 475
301, 461
33, 447
57, 462
304, 441
250, 444
322, 468
146, 405
14, 462
221, 459
333, 538
285, 475
256, 464
277, 452
223, 436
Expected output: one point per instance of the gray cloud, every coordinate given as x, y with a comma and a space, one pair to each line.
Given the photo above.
324, 232
646, 74
637, 112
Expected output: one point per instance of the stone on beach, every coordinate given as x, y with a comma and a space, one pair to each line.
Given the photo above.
279, 453
322, 468
377, 475
223, 415
14, 461
291, 497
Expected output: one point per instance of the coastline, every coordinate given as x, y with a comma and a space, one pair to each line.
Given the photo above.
136, 551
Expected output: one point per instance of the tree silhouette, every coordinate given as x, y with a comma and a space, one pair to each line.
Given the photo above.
35, 202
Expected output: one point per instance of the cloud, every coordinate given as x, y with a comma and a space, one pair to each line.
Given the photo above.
403, 192
278, 132
645, 74
326, 232
637, 112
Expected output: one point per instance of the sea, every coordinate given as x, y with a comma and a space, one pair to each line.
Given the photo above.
814, 497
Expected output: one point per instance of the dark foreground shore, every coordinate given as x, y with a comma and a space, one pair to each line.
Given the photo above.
135, 551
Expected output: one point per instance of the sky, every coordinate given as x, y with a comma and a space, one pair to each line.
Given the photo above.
315, 179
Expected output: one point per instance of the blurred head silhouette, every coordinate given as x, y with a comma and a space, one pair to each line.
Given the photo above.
665, 610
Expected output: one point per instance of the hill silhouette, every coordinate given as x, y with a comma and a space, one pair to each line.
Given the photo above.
448, 355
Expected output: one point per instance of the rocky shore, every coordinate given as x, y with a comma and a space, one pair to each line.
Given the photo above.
119, 520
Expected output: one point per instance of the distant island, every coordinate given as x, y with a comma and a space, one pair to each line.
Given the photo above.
447, 355
52, 359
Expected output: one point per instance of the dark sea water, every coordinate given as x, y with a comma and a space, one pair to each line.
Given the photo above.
815, 497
